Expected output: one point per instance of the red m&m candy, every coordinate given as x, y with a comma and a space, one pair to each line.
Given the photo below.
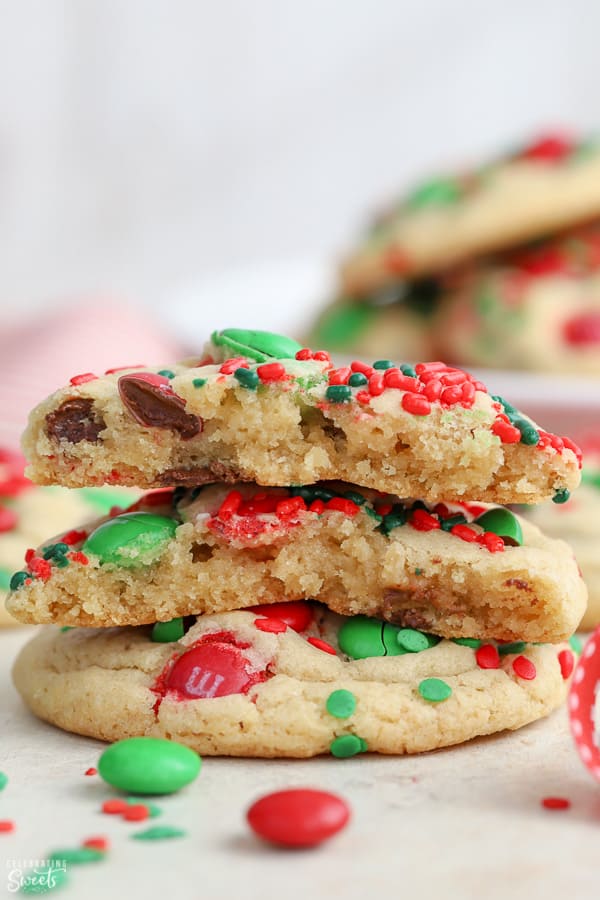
298, 817
212, 669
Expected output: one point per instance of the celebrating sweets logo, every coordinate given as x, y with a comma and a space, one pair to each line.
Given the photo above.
35, 876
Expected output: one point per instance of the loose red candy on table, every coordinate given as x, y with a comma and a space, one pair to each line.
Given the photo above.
211, 669
296, 614
298, 817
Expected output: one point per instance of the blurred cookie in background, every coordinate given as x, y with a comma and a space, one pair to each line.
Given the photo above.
548, 185
536, 307
31, 514
578, 523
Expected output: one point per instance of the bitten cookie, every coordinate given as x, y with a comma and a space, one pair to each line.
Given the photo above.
551, 184
458, 570
30, 514
430, 431
248, 684
578, 523
537, 307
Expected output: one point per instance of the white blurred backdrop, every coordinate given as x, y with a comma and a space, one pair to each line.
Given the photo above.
146, 145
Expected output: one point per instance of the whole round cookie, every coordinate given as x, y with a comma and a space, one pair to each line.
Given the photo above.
536, 307
578, 523
292, 681
550, 184
30, 514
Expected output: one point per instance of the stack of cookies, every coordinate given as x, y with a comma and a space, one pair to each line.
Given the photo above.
493, 267
320, 564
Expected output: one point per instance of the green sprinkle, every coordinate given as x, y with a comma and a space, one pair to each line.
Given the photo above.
338, 393
247, 378
61, 561
18, 579
53, 550
76, 856
199, 382
166, 373
467, 642
412, 640
374, 515
341, 704
514, 647
67, 628
451, 521
347, 745
560, 496
383, 364
357, 498
357, 379
576, 644
159, 833
418, 571
167, 632
43, 879
529, 434
393, 520
3, 780
408, 370
509, 409
435, 690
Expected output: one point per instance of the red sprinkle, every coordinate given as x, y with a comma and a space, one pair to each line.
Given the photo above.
29, 555
376, 384
230, 505
322, 356
551, 148
317, 506
290, 507
137, 812
524, 668
91, 771
417, 404
321, 645
556, 803
114, 807
272, 626
493, 542
295, 613
383, 509
82, 379
363, 368
298, 817
393, 378
363, 397
6, 826
424, 521
507, 433
341, 504
487, 657
271, 372
73, 537
78, 556
305, 353
340, 376
566, 661
230, 365
97, 843
41, 568
464, 533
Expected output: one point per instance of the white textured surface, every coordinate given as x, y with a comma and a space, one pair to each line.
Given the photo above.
458, 824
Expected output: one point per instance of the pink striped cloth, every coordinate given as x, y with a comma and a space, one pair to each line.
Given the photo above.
40, 356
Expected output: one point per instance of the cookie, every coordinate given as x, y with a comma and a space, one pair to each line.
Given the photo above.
537, 307
551, 184
29, 514
578, 523
428, 431
458, 571
244, 684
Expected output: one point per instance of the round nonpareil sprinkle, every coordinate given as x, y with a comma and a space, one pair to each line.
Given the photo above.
412, 640
524, 668
434, 690
487, 657
347, 745
341, 704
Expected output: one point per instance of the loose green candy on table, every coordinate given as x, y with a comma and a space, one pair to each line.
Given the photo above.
502, 522
257, 345
131, 539
146, 765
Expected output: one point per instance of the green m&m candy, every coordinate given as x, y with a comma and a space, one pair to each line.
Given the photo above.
132, 539
502, 522
257, 345
146, 765
361, 637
